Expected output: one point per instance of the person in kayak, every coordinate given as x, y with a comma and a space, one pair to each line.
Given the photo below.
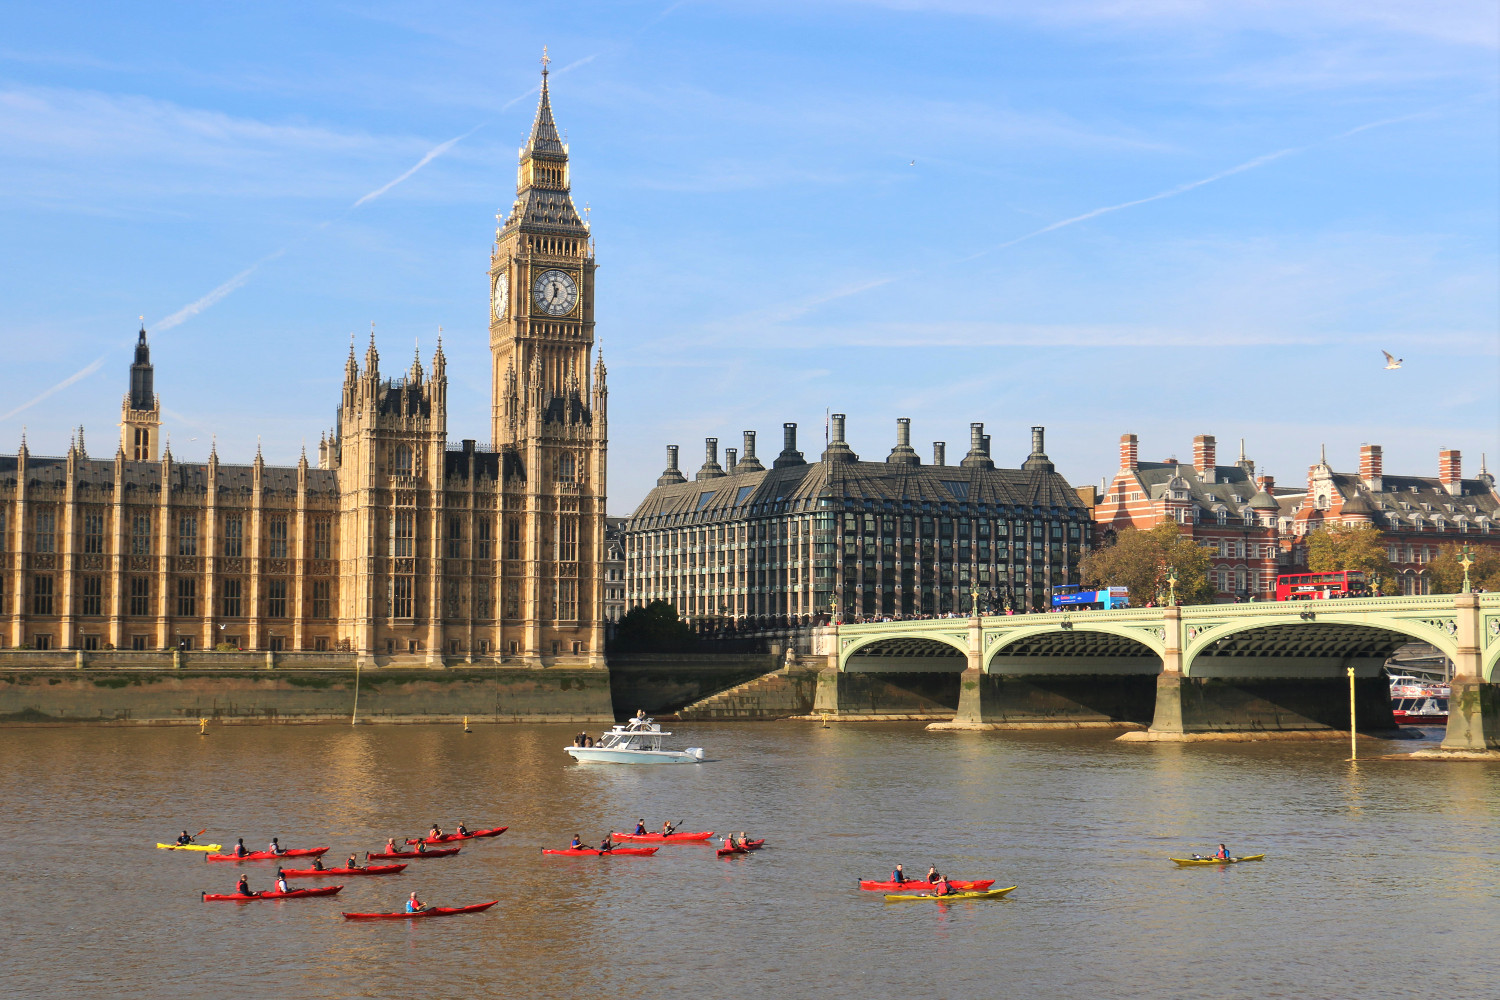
899, 876
436, 833
317, 864
390, 846
239, 848
186, 838
243, 886
667, 828
275, 848
640, 827
460, 830
576, 844
607, 844
281, 885
1223, 853
414, 905
421, 847
353, 861
932, 873
942, 887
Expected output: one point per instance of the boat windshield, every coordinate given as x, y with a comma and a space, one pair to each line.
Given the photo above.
621, 740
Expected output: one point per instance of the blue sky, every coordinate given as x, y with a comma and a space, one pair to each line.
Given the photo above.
1290, 187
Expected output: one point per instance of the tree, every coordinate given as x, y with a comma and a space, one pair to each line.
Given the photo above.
653, 629
1140, 560
1360, 548
1448, 576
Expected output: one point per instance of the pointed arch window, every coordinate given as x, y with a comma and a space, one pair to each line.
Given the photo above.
567, 469
403, 460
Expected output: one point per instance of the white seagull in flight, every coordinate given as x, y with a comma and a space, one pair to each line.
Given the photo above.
1391, 362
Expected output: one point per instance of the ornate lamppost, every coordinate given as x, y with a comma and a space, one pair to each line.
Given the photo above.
1466, 560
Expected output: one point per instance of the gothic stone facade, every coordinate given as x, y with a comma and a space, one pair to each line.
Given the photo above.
397, 545
763, 546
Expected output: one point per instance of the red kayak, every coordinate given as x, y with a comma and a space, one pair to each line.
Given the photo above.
912, 885
450, 837
328, 872
431, 911
446, 852
235, 897
586, 852
670, 838
291, 852
750, 845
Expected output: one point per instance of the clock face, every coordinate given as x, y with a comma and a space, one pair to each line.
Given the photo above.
554, 293
501, 295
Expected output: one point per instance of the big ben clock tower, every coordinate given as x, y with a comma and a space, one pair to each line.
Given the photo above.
548, 411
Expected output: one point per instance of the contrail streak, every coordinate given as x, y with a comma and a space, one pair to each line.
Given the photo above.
1171, 192
194, 308
82, 373
431, 155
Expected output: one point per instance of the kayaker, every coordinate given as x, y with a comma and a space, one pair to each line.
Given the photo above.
576, 845
667, 828
243, 886
436, 833
353, 861
275, 848
390, 846
899, 876
640, 827
932, 873
421, 847
941, 887
744, 840
317, 864
460, 830
281, 885
607, 844
186, 838
414, 905
239, 848
1223, 853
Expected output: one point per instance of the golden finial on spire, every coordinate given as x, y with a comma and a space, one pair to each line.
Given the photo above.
545, 60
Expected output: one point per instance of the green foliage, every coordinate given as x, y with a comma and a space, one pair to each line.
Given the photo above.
653, 629
1359, 548
1140, 561
1448, 576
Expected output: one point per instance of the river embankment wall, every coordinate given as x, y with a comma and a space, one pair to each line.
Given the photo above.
662, 683
163, 688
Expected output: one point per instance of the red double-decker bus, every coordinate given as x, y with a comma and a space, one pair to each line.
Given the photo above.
1319, 586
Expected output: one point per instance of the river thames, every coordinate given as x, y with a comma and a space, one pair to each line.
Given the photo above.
1380, 878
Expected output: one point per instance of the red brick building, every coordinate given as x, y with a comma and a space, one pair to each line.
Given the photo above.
1224, 508
1254, 531
1419, 514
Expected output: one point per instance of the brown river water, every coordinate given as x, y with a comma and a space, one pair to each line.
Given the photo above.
1382, 879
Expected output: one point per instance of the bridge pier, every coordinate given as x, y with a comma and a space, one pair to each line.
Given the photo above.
1474, 704
1197, 706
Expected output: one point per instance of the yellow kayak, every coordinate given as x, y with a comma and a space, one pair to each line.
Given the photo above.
989, 894
1187, 862
191, 847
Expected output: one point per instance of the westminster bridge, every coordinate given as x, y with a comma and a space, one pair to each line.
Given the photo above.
1177, 670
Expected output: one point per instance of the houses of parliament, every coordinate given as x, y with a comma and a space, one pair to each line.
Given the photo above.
398, 545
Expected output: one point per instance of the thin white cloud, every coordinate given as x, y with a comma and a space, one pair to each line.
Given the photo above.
427, 158
82, 373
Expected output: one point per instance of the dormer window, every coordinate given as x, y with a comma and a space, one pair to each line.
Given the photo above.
1322, 502
1237, 498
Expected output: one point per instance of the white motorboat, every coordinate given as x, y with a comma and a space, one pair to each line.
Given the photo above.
638, 742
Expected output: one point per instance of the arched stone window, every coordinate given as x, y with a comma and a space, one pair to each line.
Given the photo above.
566, 468
403, 460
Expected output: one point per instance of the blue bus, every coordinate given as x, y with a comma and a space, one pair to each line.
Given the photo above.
1072, 595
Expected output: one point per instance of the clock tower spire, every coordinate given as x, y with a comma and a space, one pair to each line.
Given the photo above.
541, 276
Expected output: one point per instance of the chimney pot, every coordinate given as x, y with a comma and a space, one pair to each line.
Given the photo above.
838, 428
1205, 456
672, 456
749, 444
903, 432
731, 458
939, 453
1129, 452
